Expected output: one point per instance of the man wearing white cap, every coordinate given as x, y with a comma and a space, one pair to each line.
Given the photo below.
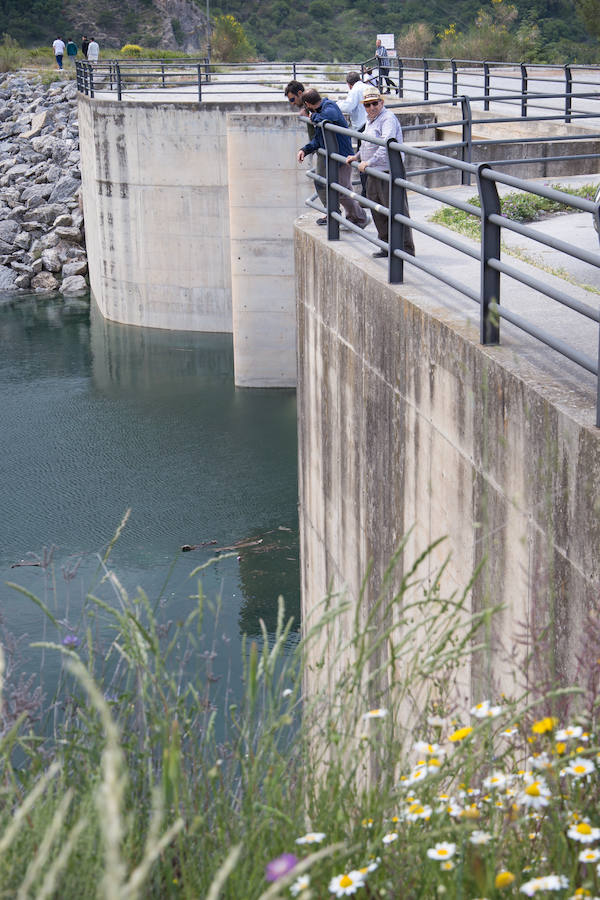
383, 124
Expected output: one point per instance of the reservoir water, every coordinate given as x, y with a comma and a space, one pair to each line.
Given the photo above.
99, 418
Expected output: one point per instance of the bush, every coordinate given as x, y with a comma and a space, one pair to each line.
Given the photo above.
10, 54
493, 36
132, 50
229, 41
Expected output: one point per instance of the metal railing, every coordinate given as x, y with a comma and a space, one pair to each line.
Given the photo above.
488, 254
425, 78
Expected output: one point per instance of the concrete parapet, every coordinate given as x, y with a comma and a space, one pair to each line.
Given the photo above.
407, 422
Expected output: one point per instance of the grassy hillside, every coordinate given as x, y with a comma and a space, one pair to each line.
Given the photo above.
341, 30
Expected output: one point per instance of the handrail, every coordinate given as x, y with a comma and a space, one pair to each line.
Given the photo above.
492, 266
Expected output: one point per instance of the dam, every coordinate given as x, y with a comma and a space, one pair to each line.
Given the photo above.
408, 424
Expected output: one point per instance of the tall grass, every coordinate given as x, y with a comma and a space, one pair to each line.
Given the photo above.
347, 766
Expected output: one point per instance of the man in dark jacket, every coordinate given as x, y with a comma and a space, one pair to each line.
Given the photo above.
327, 111
84, 45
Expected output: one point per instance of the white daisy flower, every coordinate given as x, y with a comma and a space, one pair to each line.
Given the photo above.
347, 884
480, 837
545, 883
579, 767
540, 762
419, 773
390, 837
509, 732
484, 710
584, 833
495, 782
313, 837
422, 748
302, 883
442, 850
417, 811
536, 793
374, 864
589, 856
447, 865
287, 692
571, 731
378, 713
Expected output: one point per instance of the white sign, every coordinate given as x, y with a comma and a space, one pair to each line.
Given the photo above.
387, 40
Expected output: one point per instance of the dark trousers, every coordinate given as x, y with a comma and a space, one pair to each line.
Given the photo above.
378, 192
384, 72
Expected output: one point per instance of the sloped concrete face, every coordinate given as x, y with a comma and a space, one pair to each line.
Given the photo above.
406, 422
267, 188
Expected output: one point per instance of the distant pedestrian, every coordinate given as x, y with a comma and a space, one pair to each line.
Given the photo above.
295, 92
84, 45
384, 125
327, 111
93, 50
384, 66
71, 50
59, 49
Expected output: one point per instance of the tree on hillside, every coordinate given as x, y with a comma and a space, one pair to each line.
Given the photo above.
229, 40
32, 21
589, 11
493, 36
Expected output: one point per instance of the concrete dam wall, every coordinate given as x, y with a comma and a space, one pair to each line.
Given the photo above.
407, 422
189, 222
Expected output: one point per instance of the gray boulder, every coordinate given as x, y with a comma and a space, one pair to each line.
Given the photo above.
45, 281
51, 260
78, 267
74, 284
64, 189
7, 278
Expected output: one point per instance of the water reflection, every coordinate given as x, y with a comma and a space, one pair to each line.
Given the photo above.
100, 417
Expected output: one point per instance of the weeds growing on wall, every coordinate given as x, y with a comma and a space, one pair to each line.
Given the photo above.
344, 768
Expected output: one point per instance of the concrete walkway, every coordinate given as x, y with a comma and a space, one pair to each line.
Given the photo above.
562, 323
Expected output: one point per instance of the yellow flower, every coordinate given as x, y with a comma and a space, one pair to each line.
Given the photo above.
461, 734
560, 748
504, 879
544, 725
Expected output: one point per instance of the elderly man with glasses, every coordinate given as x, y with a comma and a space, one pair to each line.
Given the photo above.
383, 124
323, 110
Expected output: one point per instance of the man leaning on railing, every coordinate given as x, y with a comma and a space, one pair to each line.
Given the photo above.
327, 111
383, 124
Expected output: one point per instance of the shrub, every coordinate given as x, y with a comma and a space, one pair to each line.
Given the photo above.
493, 36
10, 54
229, 41
131, 50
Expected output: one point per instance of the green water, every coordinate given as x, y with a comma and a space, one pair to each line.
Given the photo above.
98, 418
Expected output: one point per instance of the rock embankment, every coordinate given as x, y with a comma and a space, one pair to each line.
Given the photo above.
42, 241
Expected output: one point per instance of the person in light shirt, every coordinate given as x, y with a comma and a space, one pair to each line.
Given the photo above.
353, 107
59, 51
93, 51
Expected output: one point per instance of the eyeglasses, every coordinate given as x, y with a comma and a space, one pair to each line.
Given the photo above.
291, 99
371, 103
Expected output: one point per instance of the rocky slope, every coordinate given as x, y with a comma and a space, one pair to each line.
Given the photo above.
42, 243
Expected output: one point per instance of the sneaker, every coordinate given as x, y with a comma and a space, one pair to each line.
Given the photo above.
380, 254
322, 220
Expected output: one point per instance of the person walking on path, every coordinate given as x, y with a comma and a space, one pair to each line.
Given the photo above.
295, 92
71, 50
383, 124
93, 51
384, 66
59, 49
84, 45
321, 110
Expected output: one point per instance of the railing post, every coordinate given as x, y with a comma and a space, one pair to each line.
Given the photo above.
199, 83
207, 68
396, 205
486, 85
162, 72
568, 92
425, 79
400, 77
489, 327
523, 91
454, 81
467, 137
294, 71
91, 71
331, 172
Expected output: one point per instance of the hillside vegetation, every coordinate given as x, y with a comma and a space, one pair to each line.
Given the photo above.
337, 30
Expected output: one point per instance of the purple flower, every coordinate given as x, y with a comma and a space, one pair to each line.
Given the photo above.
71, 640
280, 866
